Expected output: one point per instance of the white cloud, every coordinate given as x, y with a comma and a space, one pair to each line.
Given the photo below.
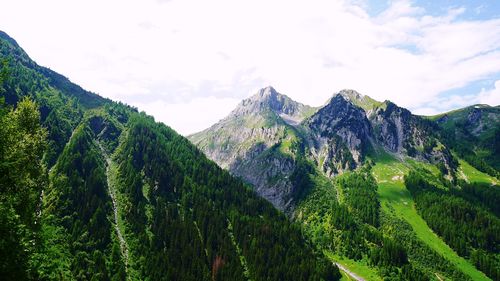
187, 116
174, 54
485, 96
490, 96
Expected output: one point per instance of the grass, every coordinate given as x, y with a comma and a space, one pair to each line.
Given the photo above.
471, 174
360, 268
345, 276
393, 193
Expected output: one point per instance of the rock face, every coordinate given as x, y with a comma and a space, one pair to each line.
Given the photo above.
340, 134
267, 99
255, 142
267, 137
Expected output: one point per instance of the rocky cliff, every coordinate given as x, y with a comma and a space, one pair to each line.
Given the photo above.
267, 135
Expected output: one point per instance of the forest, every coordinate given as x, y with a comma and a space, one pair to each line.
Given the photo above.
92, 189
70, 160
344, 218
470, 229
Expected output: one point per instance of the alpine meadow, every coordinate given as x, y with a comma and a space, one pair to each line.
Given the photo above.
370, 185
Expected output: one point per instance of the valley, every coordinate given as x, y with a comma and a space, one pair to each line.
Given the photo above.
311, 164
356, 189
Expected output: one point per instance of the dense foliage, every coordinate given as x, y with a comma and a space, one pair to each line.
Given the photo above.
343, 218
469, 229
474, 137
22, 179
221, 228
126, 197
480, 194
421, 255
361, 196
78, 199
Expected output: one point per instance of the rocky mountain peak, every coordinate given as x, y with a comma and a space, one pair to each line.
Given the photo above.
358, 99
351, 94
269, 100
267, 93
254, 141
338, 104
340, 132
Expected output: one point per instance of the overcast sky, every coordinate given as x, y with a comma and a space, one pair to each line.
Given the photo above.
189, 63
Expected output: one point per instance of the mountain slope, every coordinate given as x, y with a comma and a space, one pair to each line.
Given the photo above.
258, 142
127, 198
330, 173
474, 133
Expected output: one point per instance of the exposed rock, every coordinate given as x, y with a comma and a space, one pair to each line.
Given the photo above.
474, 115
340, 133
261, 140
254, 141
443, 119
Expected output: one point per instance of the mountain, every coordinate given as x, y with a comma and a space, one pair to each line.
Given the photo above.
365, 178
256, 142
92, 189
265, 139
474, 132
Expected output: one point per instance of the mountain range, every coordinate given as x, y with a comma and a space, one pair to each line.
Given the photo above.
346, 172
92, 189
266, 136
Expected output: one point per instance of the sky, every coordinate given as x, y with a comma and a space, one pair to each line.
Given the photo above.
190, 62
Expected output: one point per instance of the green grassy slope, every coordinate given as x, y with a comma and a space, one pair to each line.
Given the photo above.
471, 174
360, 268
389, 174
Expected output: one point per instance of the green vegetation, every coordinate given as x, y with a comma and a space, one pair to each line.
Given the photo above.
360, 268
83, 208
396, 200
349, 232
467, 228
471, 174
94, 190
190, 188
361, 196
472, 132
22, 179
180, 214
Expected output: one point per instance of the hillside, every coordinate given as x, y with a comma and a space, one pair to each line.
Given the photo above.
340, 171
91, 189
259, 143
474, 133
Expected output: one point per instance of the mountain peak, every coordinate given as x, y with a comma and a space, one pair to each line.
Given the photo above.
351, 94
268, 99
267, 93
358, 99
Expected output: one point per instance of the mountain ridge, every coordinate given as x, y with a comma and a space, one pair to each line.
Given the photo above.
92, 189
119, 196
351, 170
337, 136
